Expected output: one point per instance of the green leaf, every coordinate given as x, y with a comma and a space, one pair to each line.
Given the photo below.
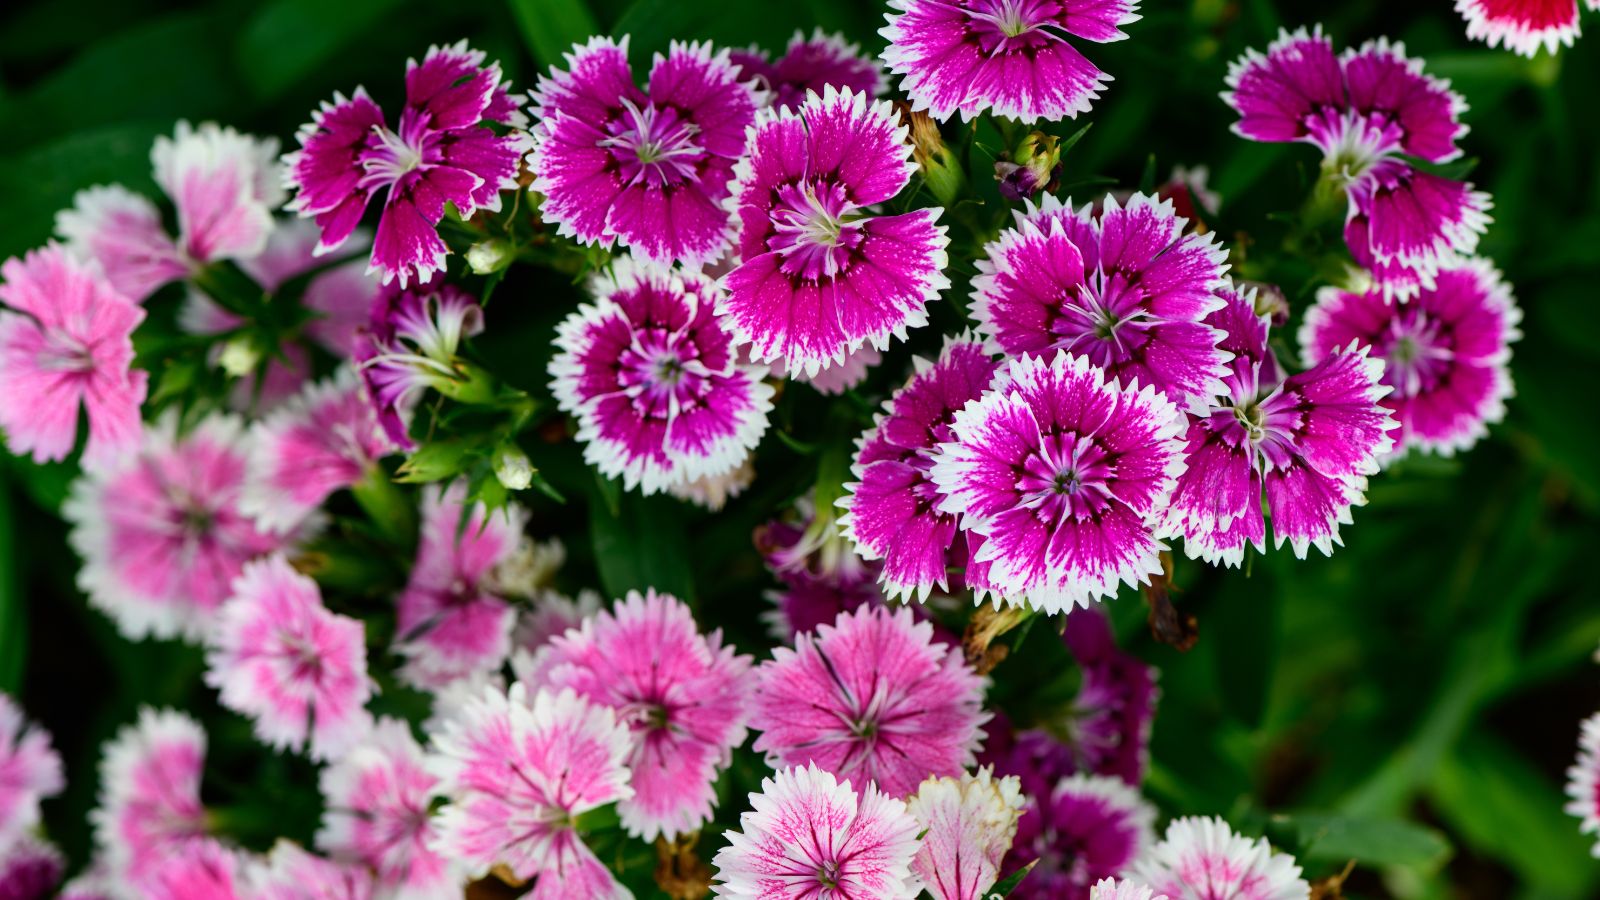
290, 40
551, 27
1368, 841
437, 461
639, 545
1004, 888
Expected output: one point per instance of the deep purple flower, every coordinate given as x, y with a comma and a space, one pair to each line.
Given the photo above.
647, 168
443, 153
410, 345
820, 577
1082, 829
810, 65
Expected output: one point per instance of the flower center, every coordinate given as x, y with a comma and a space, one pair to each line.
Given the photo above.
390, 157
1416, 354
1352, 144
1068, 478
654, 146
64, 353
828, 874
1253, 418
1003, 21
813, 231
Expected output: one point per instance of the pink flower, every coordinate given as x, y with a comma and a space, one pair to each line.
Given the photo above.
65, 342
161, 532
30, 869
1005, 57
150, 793
324, 439
835, 380
684, 696
448, 624
1523, 25
551, 616
1061, 471
892, 509
1366, 111
1446, 353
519, 770
225, 187
30, 770
712, 492
443, 153
1083, 829
279, 657
1309, 440
810, 65
872, 699
819, 575
1583, 781
809, 836
1125, 288
200, 870
1112, 889
377, 801
291, 873
648, 168
1203, 859
967, 827
819, 276
410, 345
649, 373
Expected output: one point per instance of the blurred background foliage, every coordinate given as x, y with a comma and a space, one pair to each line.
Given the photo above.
1410, 703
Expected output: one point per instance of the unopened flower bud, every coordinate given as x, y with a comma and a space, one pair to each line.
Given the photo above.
1036, 162
941, 171
490, 256
240, 356
512, 467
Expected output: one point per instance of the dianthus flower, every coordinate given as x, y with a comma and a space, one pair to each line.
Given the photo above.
1125, 288
161, 532
649, 372
647, 168
807, 835
871, 698
448, 625
1082, 829
1583, 781
892, 509
1112, 889
820, 577
1446, 354
684, 696
835, 380
150, 793
1203, 859
712, 492
1523, 25
810, 65
551, 616
224, 185
1010, 58
410, 345
1367, 110
203, 869
279, 657
65, 342
519, 771
291, 873
377, 802
30, 770
1310, 440
444, 153
968, 824
819, 276
1061, 470
324, 439
30, 869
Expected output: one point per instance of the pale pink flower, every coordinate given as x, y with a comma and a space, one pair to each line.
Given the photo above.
1583, 780
65, 343
203, 869
551, 616
278, 656
376, 814
150, 792
30, 770
519, 771
292, 873
1203, 859
712, 492
873, 699
1112, 889
684, 696
968, 825
809, 836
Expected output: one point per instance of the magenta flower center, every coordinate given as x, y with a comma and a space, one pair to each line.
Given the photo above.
663, 372
1000, 25
1105, 323
654, 146
390, 157
812, 231
64, 353
1067, 478
1416, 354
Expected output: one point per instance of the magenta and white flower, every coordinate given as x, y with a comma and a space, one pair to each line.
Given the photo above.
1523, 25
1010, 58
684, 696
1113, 889
411, 345
551, 616
377, 815
808, 835
967, 825
1062, 473
291, 873
650, 374
835, 380
1446, 353
873, 699
224, 185
1203, 859
280, 657
1085, 828
30, 770
448, 623
1308, 440
324, 439
1123, 286
892, 509
648, 168
1583, 781
65, 344
443, 153
203, 869
30, 869
819, 274
810, 65
518, 771
1367, 110
161, 532
150, 793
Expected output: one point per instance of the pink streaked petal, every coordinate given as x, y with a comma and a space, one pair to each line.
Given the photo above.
1523, 26
149, 805
859, 143
225, 186
684, 222
595, 83
576, 175
1216, 507
326, 171
1381, 82
968, 826
122, 231
1418, 218
706, 86
1204, 857
30, 771
450, 86
812, 64
1278, 93
1099, 20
